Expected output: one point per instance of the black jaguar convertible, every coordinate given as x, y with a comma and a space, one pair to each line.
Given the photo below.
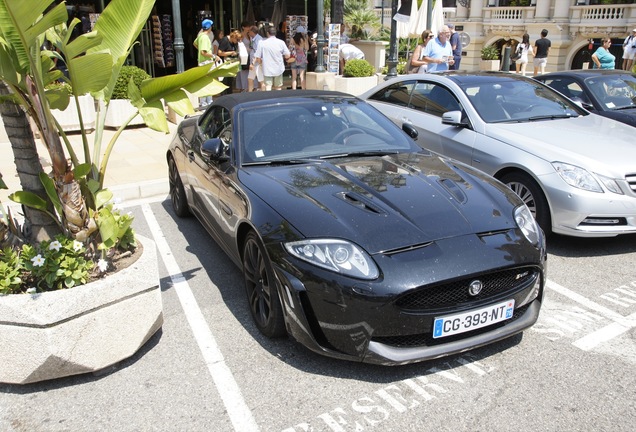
351, 238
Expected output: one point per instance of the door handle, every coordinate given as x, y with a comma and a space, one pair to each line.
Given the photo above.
191, 155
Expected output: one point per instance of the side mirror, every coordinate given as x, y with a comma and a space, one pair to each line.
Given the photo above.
453, 118
214, 150
410, 130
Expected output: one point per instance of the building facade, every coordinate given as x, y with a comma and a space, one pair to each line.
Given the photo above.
575, 27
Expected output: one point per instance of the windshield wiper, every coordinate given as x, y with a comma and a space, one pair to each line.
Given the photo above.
551, 117
361, 154
282, 162
625, 107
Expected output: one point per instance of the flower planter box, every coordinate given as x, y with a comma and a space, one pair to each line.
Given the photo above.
120, 110
355, 85
489, 65
83, 329
69, 118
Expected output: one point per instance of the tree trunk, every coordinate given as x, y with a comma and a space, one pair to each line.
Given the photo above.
39, 226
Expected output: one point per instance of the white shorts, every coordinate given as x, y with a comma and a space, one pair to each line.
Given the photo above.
628, 54
256, 72
540, 61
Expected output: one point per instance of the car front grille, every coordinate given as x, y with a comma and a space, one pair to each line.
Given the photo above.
631, 181
426, 339
455, 294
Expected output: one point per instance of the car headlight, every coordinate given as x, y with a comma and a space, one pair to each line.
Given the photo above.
527, 224
577, 177
339, 256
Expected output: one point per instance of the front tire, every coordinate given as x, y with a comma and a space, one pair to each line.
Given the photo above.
177, 192
532, 195
261, 288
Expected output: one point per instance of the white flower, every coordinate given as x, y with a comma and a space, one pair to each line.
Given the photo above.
32, 290
37, 260
77, 246
55, 245
102, 265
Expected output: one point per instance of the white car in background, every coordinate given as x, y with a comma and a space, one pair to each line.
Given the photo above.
575, 170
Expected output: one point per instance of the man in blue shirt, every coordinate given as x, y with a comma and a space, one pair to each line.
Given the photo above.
438, 53
456, 45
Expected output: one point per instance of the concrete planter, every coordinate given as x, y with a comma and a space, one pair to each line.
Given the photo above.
355, 85
84, 329
489, 65
69, 118
120, 110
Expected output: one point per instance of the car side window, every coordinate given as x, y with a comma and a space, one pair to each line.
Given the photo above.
396, 94
569, 88
433, 99
214, 122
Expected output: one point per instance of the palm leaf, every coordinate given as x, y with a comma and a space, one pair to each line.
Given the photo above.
119, 25
21, 28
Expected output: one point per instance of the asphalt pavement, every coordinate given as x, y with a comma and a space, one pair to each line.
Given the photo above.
137, 167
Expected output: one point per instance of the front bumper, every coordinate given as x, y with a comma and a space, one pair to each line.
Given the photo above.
580, 213
375, 323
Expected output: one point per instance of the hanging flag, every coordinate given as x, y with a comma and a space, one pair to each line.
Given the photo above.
404, 11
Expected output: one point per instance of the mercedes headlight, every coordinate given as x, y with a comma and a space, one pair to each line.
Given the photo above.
583, 179
527, 224
336, 255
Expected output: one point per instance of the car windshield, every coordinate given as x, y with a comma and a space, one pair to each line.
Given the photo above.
518, 101
300, 129
614, 92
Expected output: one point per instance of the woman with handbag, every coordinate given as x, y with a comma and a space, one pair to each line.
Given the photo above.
524, 49
299, 53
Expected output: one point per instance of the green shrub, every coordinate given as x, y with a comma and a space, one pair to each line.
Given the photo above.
121, 85
400, 68
358, 68
490, 52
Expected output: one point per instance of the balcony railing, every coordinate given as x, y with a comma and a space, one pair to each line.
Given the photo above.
615, 15
508, 15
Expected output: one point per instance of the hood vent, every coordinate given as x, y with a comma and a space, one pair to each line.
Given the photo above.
454, 189
360, 201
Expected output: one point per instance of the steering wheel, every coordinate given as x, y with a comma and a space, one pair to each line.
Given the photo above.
340, 136
530, 107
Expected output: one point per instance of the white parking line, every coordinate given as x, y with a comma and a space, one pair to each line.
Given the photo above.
620, 325
240, 415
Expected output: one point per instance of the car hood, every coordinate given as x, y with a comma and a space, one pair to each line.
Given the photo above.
384, 203
593, 142
627, 116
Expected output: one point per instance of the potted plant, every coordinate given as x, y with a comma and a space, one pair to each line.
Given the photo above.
120, 107
76, 234
489, 58
358, 76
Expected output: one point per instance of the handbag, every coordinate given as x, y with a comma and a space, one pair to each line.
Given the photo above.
517, 54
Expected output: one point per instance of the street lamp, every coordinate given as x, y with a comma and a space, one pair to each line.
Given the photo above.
320, 40
393, 44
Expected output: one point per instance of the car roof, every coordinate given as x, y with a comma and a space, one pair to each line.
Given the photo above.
585, 73
472, 77
231, 100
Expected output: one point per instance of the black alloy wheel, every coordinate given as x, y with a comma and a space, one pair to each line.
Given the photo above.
177, 192
532, 195
260, 285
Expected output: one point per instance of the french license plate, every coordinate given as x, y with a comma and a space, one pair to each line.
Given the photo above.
477, 318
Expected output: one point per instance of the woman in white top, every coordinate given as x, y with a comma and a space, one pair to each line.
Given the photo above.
417, 59
525, 49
